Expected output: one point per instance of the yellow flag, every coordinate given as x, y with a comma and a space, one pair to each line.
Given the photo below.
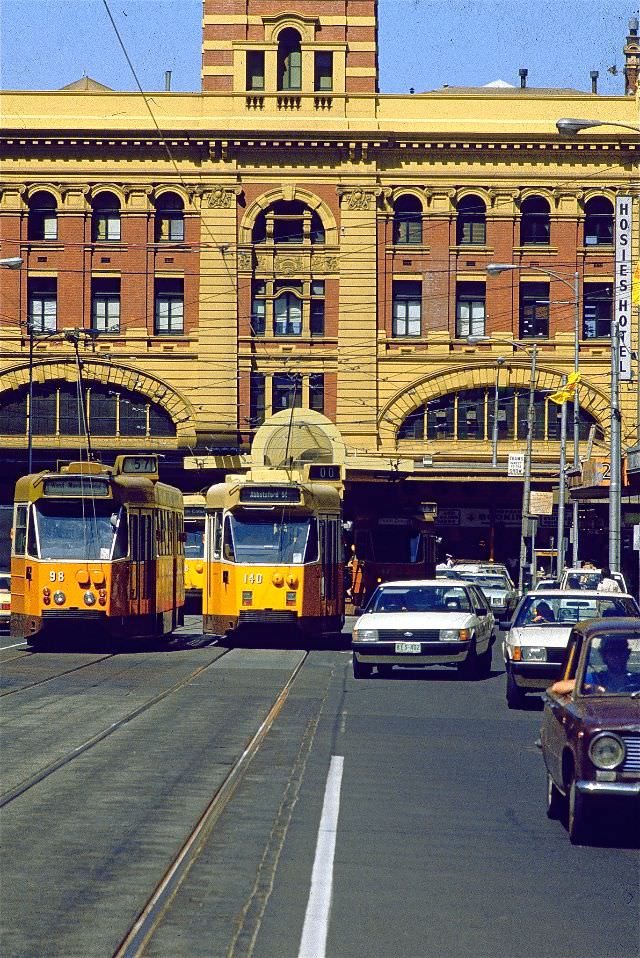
562, 396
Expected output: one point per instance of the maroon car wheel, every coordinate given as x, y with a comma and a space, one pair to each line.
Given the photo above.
555, 800
579, 819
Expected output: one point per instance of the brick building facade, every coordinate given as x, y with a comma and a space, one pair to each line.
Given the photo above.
291, 236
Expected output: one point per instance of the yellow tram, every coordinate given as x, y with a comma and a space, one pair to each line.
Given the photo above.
98, 545
194, 573
274, 552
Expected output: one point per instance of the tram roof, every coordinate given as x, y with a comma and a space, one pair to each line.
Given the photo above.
132, 490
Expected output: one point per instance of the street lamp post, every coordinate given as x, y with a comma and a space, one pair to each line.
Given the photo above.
561, 486
494, 269
494, 431
526, 486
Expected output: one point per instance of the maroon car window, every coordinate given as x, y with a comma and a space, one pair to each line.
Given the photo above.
612, 665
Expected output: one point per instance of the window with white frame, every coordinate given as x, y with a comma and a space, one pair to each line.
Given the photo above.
407, 308
169, 306
105, 220
470, 309
42, 295
105, 305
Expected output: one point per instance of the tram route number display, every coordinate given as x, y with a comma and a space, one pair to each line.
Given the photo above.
140, 465
270, 494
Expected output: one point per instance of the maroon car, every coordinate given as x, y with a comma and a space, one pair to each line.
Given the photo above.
591, 724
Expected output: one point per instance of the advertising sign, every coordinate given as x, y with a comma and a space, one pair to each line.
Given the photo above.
624, 271
541, 503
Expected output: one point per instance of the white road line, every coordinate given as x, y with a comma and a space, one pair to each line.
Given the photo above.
316, 920
16, 646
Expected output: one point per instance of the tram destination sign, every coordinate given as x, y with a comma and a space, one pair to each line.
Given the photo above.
77, 486
267, 495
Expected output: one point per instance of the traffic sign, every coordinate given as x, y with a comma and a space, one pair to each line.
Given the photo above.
515, 464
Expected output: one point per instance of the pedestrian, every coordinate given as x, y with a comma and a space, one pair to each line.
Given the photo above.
607, 582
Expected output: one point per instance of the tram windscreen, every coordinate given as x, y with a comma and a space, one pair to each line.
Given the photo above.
194, 542
271, 541
402, 544
79, 529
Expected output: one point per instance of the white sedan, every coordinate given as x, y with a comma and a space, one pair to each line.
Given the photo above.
425, 622
535, 645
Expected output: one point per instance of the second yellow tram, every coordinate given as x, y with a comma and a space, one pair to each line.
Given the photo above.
274, 553
194, 571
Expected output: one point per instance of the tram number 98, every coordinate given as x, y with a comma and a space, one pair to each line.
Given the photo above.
253, 578
56, 576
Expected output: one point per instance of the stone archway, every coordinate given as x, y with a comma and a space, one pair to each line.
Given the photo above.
474, 376
109, 374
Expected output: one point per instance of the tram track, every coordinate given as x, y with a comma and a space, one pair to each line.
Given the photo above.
52, 678
141, 931
43, 773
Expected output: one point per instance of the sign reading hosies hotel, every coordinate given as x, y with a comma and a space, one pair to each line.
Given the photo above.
622, 317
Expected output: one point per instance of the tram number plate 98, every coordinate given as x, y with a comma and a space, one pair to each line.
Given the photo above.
412, 647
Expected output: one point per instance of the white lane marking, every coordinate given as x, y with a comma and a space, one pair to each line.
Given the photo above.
16, 646
316, 920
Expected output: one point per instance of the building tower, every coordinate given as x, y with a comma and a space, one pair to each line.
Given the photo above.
632, 59
290, 47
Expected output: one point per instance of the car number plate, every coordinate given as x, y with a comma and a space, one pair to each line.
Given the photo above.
413, 647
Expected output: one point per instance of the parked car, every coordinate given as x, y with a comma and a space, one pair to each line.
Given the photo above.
590, 733
547, 584
535, 644
479, 567
588, 579
5, 601
426, 622
499, 590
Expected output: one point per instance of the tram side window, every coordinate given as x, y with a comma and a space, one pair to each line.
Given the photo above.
32, 538
215, 536
20, 531
227, 550
121, 544
311, 552
135, 551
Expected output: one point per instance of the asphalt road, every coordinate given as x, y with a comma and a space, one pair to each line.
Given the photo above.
438, 846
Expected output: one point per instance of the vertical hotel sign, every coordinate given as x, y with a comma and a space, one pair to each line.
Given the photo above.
624, 273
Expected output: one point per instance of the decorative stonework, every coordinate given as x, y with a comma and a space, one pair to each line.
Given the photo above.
288, 265
221, 198
359, 199
245, 261
324, 264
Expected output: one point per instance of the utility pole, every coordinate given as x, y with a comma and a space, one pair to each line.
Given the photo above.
615, 453
575, 524
494, 431
561, 486
526, 488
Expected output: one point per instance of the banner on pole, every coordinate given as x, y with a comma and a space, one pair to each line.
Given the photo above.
624, 271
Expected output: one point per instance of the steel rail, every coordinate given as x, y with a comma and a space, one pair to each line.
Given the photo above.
138, 936
39, 776
52, 678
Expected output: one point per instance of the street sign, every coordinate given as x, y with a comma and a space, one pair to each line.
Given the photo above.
623, 268
515, 464
541, 503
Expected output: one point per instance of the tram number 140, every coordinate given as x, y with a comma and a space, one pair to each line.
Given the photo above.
252, 578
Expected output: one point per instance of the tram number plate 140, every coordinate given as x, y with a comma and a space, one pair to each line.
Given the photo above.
413, 647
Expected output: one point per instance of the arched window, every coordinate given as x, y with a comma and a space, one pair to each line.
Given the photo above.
169, 225
289, 221
471, 226
407, 221
598, 222
105, 221
42, 223
468, 415
535, 223
110, 412
287, 309
289, 60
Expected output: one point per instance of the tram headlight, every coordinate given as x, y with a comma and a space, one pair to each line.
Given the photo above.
89, 598
292, 581
278, 579
59, 598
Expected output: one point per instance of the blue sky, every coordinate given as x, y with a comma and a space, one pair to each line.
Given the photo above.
45, 44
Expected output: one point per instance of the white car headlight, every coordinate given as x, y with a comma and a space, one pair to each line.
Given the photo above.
607, 751
534, 653
365, 635
449, 635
